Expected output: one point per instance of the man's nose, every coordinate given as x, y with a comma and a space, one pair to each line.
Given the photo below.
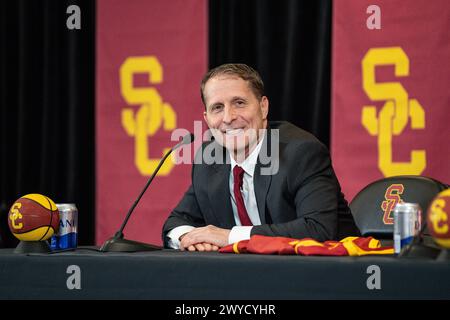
229, 115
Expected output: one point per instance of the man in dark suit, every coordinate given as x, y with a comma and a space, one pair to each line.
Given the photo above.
267, 178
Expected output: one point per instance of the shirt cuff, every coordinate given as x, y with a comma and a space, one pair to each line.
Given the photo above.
239, 233
175, 234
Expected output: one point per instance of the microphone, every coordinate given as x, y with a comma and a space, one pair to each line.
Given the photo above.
118, 243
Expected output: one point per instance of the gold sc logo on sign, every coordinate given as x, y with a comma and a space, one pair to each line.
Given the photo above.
395, 113
152, 115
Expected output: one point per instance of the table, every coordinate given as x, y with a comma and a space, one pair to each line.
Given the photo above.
170, 274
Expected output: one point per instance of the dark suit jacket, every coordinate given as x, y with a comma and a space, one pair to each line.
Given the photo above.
303, 199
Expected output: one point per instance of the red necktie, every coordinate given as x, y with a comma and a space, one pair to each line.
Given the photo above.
238, 174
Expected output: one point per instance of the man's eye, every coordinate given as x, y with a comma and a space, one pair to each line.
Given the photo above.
216, 108
240, 102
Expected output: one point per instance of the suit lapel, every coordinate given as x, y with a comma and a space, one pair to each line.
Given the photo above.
262, 182
219, 194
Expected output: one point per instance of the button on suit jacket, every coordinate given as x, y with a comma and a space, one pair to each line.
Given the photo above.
300, 198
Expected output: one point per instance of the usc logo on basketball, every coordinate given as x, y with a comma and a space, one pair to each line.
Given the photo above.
392, 196
153, 114
15, 216
396, 112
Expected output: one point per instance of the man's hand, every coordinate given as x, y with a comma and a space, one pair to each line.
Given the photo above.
201, 247
209, 238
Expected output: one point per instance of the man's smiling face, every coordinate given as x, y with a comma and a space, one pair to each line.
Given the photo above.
234, 113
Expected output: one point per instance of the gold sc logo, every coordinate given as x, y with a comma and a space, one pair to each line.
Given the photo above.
153, 114
395, 113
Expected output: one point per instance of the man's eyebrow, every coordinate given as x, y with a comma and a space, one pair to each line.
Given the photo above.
220, 103
214, 104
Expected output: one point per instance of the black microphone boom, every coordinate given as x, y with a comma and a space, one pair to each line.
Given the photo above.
117, 243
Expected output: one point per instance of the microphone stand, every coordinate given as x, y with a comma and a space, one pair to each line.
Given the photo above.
118, 243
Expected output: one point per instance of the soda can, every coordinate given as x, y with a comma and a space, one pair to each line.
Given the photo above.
407, 224
67, 235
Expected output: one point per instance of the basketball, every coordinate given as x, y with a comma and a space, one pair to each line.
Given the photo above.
438, 219
33, 217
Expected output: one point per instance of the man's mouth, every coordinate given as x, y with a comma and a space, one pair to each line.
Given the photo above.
233, 132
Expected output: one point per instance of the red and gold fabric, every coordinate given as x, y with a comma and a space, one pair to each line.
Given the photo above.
350, 246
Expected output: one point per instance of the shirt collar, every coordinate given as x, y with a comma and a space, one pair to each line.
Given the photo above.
249, 163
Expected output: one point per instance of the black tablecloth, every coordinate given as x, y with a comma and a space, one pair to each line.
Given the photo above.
171, 274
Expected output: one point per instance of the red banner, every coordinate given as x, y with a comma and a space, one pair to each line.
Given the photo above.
390, 98
151, 56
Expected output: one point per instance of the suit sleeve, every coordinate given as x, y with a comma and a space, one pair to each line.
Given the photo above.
187, 212
314, 189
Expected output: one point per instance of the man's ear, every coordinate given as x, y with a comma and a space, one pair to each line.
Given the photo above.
264, 107
204, 117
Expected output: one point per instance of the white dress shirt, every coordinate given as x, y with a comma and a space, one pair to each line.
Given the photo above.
238, 232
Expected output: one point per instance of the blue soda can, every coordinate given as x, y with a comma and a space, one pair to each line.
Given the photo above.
67, 236
407, 224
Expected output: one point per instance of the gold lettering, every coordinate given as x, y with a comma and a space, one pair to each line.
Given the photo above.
16, 215
152, 114
393, 116
438, 215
